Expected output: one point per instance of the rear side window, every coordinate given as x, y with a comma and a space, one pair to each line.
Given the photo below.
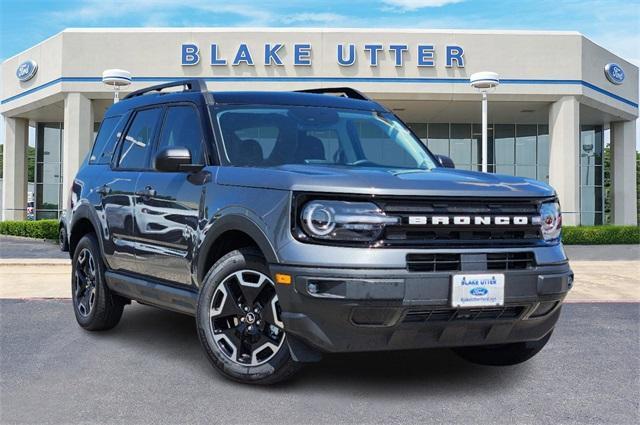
108, 135
182, 129
137, 141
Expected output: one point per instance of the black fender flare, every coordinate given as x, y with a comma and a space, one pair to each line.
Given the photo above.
86, 211
233, 222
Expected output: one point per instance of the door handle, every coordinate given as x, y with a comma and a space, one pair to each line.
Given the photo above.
103, 190
147, 192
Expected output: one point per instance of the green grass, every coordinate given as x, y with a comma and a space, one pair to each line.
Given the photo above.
601, 235
39, 229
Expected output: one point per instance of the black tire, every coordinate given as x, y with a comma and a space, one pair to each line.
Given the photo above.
503, 355
95, 306
234, 356
63, 240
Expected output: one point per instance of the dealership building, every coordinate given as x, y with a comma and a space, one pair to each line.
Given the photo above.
559, 93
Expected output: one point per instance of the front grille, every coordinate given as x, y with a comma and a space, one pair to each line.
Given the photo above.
467, 314
405, 234
433, 262
510, 261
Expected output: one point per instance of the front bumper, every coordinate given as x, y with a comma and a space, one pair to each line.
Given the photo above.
343, 310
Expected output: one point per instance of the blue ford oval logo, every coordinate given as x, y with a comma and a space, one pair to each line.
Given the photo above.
478, 292
614, 73
27, 70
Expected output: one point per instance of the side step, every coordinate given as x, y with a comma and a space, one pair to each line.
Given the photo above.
154, 293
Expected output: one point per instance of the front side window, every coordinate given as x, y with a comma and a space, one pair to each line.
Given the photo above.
267, 136
182, 129
105, 144
137, 140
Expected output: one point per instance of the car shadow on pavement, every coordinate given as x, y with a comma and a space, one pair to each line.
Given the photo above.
395, 373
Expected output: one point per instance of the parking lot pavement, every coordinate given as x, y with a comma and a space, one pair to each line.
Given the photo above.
16, 247
150, 369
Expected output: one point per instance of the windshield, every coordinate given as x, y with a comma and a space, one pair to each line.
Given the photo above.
265, 136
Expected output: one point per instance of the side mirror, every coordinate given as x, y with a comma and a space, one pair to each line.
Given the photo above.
174, 160
445, 161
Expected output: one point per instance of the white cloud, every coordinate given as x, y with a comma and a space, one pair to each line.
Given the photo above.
314, 18
159, 12
408, 5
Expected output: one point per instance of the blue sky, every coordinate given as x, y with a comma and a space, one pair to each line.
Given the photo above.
613, 24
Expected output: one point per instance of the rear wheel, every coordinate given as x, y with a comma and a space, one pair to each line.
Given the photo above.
63, 240
239, 321
95, 306
504, 354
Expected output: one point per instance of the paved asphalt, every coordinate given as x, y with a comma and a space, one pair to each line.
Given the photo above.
150, 369
15, 247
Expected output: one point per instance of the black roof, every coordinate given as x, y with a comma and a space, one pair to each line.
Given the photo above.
247, 98
294, 99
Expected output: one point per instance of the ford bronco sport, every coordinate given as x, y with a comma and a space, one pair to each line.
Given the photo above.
296, 223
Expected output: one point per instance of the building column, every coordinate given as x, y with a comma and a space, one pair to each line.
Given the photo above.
77, 139
623, 172
14, 169
564, 159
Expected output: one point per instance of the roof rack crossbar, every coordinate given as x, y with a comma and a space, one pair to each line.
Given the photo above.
194, 85
345, 91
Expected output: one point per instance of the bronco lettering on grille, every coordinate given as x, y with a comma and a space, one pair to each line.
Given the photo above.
437, 220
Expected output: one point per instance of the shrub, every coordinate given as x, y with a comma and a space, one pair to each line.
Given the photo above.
39, 229
601, 235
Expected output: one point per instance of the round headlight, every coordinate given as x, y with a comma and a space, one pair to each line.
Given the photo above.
550, 220
318, 219
344, 221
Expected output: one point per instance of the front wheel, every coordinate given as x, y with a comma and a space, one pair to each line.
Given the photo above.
504, 354
239, 322
95, 306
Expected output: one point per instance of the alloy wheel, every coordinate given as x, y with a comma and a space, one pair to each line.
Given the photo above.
85, 288
245, 318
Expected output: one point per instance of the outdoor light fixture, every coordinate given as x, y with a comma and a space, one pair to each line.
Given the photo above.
116, 78
484, 82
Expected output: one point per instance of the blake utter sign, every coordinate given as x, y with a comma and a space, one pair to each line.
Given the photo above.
301, 54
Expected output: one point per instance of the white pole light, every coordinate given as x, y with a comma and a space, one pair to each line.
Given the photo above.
116, 78
484, 82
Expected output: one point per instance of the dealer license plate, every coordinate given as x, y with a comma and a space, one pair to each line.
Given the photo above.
477, 290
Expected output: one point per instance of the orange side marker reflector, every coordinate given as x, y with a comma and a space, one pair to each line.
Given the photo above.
283, 279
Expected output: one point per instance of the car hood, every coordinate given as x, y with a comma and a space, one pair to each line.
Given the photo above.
380, 181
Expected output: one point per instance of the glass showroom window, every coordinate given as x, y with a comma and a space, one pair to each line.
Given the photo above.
542, 150
514, 149
438, 138
504, 148
591, 175
48, 170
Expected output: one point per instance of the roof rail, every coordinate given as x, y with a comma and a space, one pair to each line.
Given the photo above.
344, 91
194, 85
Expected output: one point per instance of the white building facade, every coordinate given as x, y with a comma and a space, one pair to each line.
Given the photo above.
559, 94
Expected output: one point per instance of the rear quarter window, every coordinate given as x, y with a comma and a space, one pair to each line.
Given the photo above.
107, 139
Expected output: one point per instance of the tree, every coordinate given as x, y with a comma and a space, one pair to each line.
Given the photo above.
31, 163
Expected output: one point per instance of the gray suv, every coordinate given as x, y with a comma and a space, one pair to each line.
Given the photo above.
292, 224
